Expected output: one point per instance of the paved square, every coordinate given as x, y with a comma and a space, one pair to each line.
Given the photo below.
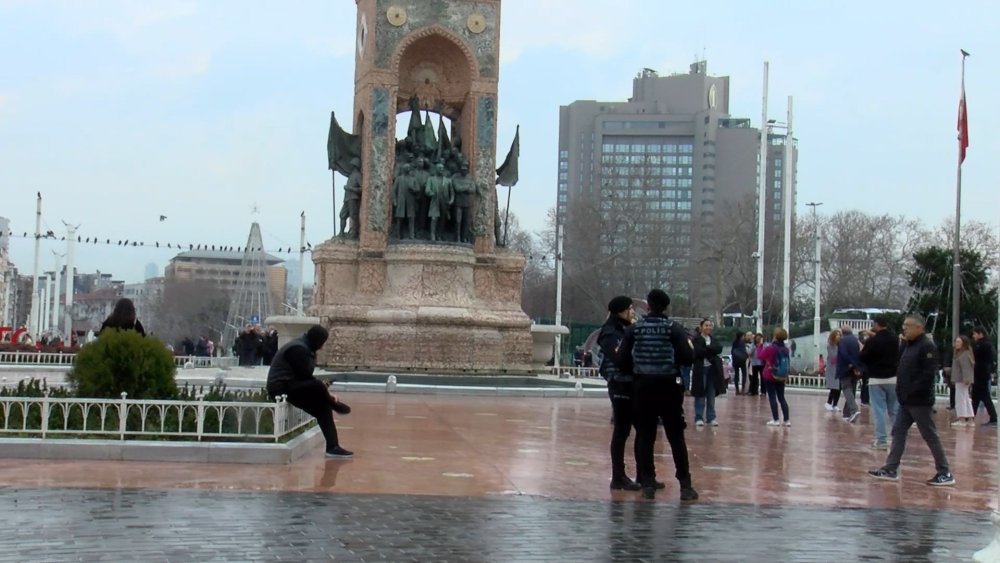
460, 478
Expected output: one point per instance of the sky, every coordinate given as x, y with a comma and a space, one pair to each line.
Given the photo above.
215, 113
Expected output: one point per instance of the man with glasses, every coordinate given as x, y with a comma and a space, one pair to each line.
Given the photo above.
918, 364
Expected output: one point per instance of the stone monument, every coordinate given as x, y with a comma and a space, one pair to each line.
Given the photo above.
417, 281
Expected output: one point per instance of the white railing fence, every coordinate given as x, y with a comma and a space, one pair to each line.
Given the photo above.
48, 417
61, 359
575, 372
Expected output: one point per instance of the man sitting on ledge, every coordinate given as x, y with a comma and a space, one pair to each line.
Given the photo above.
291, 374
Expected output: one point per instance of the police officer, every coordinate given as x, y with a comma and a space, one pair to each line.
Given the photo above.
620, 316
653, 350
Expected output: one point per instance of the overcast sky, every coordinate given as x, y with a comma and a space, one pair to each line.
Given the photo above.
119, 111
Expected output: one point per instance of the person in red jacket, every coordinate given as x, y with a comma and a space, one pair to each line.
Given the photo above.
773, 354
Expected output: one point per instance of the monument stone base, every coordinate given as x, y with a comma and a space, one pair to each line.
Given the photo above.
421, 307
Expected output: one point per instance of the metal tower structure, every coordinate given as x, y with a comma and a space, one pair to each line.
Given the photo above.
251, 300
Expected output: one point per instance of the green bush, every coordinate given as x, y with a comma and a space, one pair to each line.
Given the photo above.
124, 361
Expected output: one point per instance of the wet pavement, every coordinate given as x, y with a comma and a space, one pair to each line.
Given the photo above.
461, 478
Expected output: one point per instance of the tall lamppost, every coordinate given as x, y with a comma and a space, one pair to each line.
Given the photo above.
761, 207
819, 246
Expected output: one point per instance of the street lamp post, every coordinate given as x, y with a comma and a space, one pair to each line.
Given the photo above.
762, 207
819, 246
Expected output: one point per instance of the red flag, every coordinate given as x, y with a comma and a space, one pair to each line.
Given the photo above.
963, 121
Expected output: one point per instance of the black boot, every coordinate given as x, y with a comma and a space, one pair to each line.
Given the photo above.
623, 483
688, 493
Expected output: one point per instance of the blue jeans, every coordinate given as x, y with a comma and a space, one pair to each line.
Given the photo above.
883, 400
776, 395
686, 377
706, 405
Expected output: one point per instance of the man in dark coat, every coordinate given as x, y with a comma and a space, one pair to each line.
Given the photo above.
620, 388
880, 356
291, 374
915, 375
986, 361
707, 377
849, 371
653, 351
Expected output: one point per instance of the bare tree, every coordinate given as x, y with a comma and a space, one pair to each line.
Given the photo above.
189, 308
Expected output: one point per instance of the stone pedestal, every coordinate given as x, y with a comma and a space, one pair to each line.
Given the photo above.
290, 327
421, 307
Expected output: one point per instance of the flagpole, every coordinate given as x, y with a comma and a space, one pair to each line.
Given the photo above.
956, 274
506, 215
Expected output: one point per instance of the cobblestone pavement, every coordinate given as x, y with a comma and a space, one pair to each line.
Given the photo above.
187, 525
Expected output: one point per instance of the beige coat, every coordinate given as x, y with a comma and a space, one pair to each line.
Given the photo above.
962, 368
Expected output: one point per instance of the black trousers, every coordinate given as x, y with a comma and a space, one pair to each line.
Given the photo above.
622, 409
312, 396
740, 377
660, 399
981, 394
756, 373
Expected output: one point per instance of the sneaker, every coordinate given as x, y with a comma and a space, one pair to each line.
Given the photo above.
773, 423
941, 480
829, 407
884, 474
339, 453
688, 493
853, 417
880, 445
788, 423
714, 423
699, 423
341, 408
990, 423
624, 484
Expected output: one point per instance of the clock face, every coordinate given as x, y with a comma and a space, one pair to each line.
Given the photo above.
396, 15
362, 35
712, 97
476, 23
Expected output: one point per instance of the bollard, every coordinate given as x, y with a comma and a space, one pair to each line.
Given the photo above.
390, 384
579, 389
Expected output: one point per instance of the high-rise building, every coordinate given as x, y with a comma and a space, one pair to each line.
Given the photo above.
152, 271
646, 188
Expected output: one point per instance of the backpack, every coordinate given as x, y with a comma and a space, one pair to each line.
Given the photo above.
781, 368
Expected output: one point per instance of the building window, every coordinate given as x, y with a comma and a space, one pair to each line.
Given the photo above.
563, 165
563, 154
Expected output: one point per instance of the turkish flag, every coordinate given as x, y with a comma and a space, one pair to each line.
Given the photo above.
963, 126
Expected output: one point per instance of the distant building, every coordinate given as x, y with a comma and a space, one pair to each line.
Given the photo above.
90, 309
675, 160
222, 268
145, 296
152, 271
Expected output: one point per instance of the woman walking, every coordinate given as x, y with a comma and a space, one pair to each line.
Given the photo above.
740, 358
756, 365
962, 375
832, 383
777, 360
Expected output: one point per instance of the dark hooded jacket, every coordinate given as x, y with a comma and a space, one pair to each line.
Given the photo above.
295, 361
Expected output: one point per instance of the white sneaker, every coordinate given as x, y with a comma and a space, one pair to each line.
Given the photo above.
773, 423
958, 424
699, 423
788, 423
829, 407
714, 423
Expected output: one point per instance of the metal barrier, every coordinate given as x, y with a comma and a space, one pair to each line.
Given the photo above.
61, 359
574, 372
37, 358
45, 417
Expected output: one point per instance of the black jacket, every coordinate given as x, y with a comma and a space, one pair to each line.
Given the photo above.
986, 359
609, 339
880, 355
655, 347
918, 365
295, 361
108, 323
710, 352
